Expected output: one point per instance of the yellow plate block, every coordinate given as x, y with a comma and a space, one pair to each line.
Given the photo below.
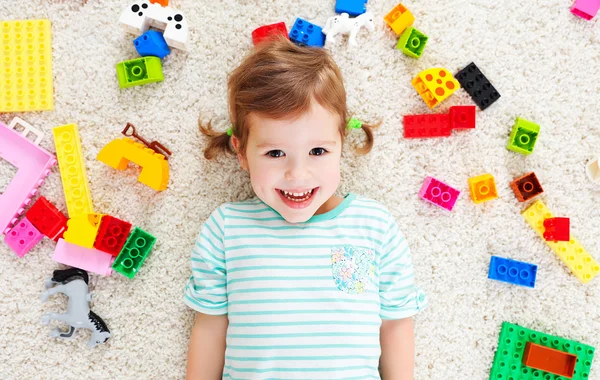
577, 259
83, 229
399, 19
483, 188
155, 169
25, 66
72, 170
434, 85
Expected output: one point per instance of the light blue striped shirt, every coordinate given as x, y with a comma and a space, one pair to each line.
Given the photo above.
305, 300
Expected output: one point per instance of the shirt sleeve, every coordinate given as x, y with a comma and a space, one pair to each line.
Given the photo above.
398, 295
206, 290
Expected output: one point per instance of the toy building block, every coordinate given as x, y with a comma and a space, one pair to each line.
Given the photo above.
139, 71
72, 170
575, 257
83, 229
112, 235
26, 75
304, 33
523, 136
429, 125
399, 19
439, 193
163, 3
152, 43
434, 85
352, 7
512, 343
593, 170
89, 259
47, 219
557, 229
143, 14
549, 360
462, 117
483, 93
526, 187
159, 148
33, 166
512, 271
412, 42
483, 188
23, 237
132, 256
155, 169
269, 31
586, 9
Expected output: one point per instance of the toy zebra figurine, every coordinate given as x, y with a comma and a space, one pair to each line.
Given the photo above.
74, 283
344, 24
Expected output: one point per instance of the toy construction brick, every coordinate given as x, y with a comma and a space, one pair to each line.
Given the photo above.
439, 193
399, 19
428, 125
549, 360
83, 229
462, 117
586, 9
352, 7
163, 3
304, 33
575, 257
112, 235
526, 187
512, 343
593, 170
412, 42
512, 271
89, 259
483, 188
139, 71
152, 43
22, 237
132, 256
557, 229
269, 31
484, 94
47, 219
523, 136
434, 85
26, 74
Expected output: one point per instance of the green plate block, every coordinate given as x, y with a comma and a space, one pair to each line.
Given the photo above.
523, 136
134, 252
412, 42
139, 71
508, 361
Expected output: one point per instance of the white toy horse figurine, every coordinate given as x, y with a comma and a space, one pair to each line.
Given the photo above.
344, 24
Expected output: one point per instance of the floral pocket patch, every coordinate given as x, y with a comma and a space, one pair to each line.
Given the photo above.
353, 268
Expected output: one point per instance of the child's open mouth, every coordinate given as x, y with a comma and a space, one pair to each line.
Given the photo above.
297, 199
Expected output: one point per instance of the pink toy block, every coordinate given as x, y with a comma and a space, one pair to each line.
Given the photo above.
439, 193
88, 259
33, 164
586, 9
22, 237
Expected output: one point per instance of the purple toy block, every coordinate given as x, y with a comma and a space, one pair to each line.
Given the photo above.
89, 259
439, 193
22, 237
586, 9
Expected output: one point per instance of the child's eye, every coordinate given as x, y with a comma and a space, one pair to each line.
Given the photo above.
275, 153
318, 151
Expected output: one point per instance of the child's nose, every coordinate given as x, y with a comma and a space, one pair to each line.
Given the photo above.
297, 171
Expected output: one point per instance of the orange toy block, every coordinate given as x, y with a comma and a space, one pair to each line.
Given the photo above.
549, 360
399, 19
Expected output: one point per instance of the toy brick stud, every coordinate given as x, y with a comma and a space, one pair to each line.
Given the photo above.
557, 229
483, 188
526, 187
593, 170
269, 31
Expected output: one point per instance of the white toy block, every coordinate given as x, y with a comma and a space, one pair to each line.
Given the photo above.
593, 170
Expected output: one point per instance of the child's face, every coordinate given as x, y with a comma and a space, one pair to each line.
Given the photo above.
299, 156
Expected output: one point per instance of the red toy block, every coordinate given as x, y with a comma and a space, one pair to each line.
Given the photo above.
429, 125
112, 235
261, 33
47, 219
462, 117
549, 360
557, 229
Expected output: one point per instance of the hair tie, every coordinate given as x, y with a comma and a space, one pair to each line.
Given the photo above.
354, 124
229, 132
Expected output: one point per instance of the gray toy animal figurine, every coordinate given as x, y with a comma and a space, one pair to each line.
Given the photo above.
74, 283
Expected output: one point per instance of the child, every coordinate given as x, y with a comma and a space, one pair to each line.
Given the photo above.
297, 283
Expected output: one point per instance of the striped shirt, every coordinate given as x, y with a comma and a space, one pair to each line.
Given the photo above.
304, 300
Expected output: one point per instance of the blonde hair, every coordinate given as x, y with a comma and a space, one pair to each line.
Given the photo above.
279, 79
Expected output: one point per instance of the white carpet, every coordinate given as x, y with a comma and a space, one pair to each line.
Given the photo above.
544, 61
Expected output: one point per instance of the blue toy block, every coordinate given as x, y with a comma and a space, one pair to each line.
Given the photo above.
304, 33
352, 7
152, 43
512, 271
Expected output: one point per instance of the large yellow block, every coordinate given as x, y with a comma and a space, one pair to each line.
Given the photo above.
83, 229
434, 85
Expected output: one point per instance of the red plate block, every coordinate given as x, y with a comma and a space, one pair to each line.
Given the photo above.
424, 126
557, 229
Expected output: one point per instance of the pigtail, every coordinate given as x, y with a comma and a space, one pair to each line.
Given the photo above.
370, 138
218, 142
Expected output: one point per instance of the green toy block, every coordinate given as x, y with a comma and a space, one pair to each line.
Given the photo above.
508, 361
412, 42
523, 136
139, 71
134, 252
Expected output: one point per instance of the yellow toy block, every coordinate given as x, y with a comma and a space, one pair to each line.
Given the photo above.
575, 257
483, 188
434, 85
399, 19
83, 229
26, 66
155, 169
72, 170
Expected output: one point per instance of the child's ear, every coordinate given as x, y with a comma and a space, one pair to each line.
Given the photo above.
241, 158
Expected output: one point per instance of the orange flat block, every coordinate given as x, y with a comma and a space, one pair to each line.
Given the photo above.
549, 360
